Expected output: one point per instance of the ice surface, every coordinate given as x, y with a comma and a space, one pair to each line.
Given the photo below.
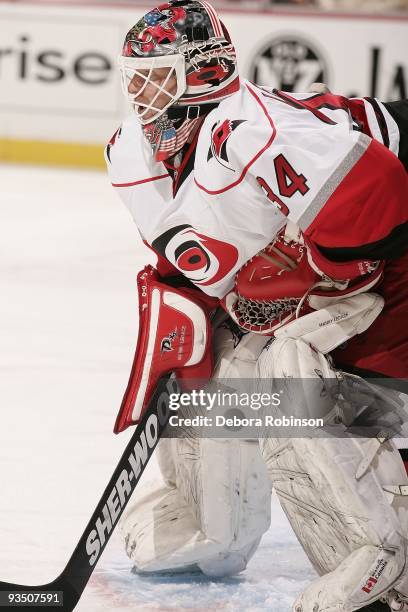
69, 254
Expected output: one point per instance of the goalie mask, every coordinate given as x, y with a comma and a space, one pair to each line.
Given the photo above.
177, 64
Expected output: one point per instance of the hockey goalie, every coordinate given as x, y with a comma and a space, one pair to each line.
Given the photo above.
279, 222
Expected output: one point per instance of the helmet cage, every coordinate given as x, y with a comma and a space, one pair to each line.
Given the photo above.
133, 66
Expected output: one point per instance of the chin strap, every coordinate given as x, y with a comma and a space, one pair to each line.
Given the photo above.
190, 112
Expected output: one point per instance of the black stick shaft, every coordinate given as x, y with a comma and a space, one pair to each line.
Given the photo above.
74, 578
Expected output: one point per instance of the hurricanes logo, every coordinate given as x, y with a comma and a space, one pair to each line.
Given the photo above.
220, 134
202, 259
167, 343
288, 64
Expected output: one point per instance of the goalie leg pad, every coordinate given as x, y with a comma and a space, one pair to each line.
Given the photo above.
213, 518
349, 522
352, 530
214, 504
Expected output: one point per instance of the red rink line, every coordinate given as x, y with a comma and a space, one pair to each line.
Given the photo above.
286, 12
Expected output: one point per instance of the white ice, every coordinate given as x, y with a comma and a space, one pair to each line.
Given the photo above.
69, 254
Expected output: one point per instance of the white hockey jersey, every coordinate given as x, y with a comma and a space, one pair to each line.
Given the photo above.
261, 156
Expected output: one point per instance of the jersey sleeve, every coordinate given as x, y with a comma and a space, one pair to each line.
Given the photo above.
366, 216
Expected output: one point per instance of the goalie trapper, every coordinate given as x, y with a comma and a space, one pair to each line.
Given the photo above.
289, 278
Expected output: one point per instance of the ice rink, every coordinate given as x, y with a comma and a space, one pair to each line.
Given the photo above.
69, 255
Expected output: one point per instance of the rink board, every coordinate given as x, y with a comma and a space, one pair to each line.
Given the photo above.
60, 84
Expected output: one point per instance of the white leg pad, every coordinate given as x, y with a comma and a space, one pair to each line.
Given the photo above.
213, 516
353, 531
350, 585
214, 504
346, 526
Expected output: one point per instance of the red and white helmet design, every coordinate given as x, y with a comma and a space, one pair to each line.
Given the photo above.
188, 38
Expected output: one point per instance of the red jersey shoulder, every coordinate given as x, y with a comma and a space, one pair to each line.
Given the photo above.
368, 205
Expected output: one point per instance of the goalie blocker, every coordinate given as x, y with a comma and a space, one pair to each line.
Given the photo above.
174, 336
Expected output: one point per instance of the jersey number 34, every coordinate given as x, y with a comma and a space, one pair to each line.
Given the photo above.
289, 183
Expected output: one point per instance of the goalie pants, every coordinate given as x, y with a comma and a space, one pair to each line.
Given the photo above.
383, 349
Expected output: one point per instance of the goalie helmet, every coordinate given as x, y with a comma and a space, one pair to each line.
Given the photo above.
188, 40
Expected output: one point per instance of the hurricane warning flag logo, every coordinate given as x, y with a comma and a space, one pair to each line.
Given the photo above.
220, 133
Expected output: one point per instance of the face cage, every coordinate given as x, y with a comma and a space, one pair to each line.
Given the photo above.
132, 66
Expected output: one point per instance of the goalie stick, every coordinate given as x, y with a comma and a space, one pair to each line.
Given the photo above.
63, 593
